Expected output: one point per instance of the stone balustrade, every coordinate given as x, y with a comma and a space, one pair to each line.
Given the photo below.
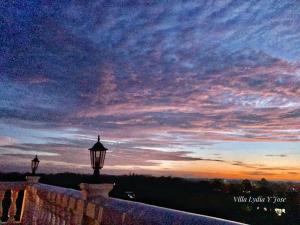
50, 205
14, 188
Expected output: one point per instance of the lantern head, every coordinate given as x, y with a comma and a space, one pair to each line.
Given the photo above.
34, 164
97, 154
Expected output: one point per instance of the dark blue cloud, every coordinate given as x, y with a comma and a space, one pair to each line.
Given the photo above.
153, 53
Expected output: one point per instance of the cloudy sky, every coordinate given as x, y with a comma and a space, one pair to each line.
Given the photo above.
182, 88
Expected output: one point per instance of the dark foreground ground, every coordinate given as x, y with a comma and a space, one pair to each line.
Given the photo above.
209, 197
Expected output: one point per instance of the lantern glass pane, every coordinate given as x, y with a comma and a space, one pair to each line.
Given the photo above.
97, 159
98, 154
92, 159
102, 158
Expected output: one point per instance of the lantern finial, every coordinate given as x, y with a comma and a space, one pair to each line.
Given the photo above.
98, 137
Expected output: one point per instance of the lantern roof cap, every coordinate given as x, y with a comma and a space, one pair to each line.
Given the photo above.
98, 146
36, 159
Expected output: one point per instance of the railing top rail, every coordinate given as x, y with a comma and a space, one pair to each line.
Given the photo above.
59, 190
155, 215
10, 185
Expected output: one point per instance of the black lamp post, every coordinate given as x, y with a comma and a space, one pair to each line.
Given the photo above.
97, 153
34, 164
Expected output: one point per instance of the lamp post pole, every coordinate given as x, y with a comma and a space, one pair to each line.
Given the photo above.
96, 172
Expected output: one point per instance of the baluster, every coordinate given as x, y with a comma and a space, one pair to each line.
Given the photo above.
50, 208
44, 218
41, 212
65, 206
77, 213
68, 217
61, 209
50, 216
62, 217
41, 217
53, 209
48, 213
57, 215
58, 210
31, 206
13, 208
35, 208
2, 193
73, 217
46, 208
55, 221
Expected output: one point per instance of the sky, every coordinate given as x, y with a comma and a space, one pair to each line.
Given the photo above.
206, 89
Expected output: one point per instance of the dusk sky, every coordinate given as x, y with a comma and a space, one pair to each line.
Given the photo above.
181, 88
